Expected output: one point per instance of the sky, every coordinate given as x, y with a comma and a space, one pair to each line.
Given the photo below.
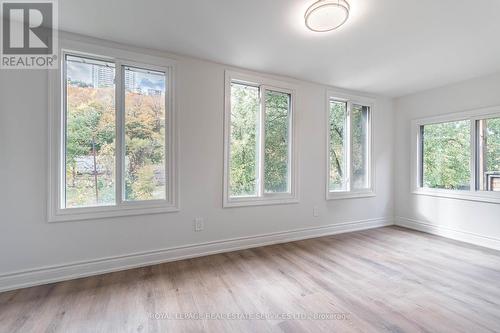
77, 71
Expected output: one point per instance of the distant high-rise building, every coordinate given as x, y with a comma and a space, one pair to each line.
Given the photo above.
102, 76
155, 92
130, 81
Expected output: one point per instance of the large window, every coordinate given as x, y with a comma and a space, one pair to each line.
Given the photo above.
459, 155
259, 134
349, 148
115, 156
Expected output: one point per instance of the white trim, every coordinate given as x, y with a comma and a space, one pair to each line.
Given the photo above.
478, 196
339, 195
260, 201
56, 120
264, 83
452, 233
348, 97
50, 274
364, 101
416, 154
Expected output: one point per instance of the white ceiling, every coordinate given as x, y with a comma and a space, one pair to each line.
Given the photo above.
388, 47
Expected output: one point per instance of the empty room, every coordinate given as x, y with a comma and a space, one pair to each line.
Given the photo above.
249, 166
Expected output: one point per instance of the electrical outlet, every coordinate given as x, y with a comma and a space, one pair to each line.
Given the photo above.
199, 224
315, 211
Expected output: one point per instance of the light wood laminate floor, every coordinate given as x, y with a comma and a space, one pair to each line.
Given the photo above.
382, 280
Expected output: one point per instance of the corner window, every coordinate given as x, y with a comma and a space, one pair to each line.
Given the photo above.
116, 138
458, 156
349, 148
259, 154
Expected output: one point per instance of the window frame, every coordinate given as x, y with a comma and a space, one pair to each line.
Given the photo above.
351, 99
262, 198
473, 194
57, 129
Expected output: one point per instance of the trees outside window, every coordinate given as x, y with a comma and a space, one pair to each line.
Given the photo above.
276, 149
115, 144
349, 148
145, 177
488, 132
259, 154
90, 132
244, 166
337, 148
458, 155
446, 155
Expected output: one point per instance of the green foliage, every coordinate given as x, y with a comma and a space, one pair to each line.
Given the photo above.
90, 130
85, 128
144, 184
446, 147
243, 162
489, 164
359, 146
144, 146
446, 158
492, 145
338, 118
276, 142
243, 166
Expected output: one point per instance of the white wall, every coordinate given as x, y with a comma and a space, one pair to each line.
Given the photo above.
29, 243
470, 221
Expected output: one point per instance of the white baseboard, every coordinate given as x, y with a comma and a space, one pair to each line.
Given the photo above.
44, 275
456, 234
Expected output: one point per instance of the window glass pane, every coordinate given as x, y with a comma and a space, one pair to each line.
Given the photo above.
276, 142
145, 173
90, 133
489, 154
243, 159
446, 155
338, 151
360, 147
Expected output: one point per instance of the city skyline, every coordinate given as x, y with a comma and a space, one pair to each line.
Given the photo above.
100, 75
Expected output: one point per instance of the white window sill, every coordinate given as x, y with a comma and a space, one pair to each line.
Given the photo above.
93, 213
259, 201
479, 196
349, 195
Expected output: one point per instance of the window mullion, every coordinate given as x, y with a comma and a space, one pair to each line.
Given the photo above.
291, 143
420, 157
261, 140
369, 148
120, 139
474, 142
62, 202
349, 147
168, 151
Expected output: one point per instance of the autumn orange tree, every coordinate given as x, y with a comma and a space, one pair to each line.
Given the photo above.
144, 144
90, 145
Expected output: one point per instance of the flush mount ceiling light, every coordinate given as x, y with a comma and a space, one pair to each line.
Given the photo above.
327, 15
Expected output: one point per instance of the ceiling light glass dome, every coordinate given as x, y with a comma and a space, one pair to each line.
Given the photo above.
327, 15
